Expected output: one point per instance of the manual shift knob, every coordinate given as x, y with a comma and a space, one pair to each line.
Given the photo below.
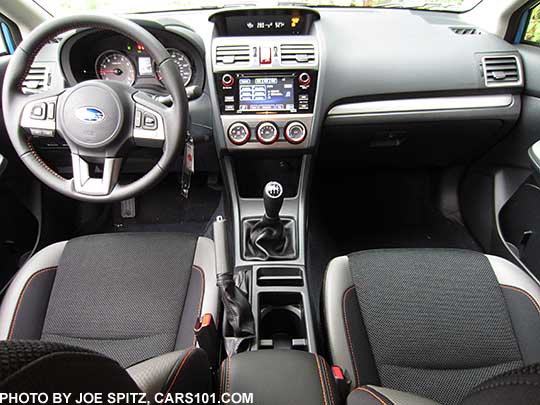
273, 199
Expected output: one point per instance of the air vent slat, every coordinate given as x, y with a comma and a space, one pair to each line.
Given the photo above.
501, 70
466, 30
232, 54
297, 53
37, 80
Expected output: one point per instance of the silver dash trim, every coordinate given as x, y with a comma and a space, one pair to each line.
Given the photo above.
422, 104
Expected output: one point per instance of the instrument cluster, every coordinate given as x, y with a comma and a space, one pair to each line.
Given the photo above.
109, 56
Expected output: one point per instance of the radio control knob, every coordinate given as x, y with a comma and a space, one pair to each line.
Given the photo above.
267, 132
304, 79
227, 80
295, 132
239, 133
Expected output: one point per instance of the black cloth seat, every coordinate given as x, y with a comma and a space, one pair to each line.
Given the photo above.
49, 368
433, 323
127, 296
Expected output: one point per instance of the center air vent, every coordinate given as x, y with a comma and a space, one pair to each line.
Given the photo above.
502, 71
293, 54
232, 54
466, 31
37, 80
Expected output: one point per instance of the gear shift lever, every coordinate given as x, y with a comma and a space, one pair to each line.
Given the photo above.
270, 237
273, 200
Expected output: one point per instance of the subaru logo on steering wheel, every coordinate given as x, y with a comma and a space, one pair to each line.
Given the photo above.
89, 114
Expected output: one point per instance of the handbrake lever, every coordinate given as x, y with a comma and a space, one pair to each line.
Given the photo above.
239, 324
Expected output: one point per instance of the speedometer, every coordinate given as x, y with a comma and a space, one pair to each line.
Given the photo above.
183, 63
113, 65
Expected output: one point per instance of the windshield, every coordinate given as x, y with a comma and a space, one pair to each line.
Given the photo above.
58, 7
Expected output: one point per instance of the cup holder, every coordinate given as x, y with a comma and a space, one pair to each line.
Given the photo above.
282, 321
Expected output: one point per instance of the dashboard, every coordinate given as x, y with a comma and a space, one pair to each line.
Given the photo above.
369, 83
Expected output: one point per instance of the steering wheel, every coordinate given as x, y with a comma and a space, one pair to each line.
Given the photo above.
98, 119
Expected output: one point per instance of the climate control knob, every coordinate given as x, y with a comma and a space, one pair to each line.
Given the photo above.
239, 133
295, 132
227, 80
267, 132
304, 79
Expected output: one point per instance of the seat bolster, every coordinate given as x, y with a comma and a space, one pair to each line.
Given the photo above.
22, 296
336, 282
522, 295
373, 395
347, 337
202, 295
181, 371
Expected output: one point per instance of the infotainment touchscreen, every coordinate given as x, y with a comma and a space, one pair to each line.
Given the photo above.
266, 94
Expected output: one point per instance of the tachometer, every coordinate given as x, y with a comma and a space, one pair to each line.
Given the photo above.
183, 63
113, 65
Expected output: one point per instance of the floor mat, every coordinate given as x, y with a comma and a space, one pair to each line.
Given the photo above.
371, 211
163, 209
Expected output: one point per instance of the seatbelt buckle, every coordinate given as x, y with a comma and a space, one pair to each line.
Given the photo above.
207, 337
343, 382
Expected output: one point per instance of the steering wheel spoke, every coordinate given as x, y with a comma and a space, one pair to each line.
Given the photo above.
85, 183
149, 122
38, 116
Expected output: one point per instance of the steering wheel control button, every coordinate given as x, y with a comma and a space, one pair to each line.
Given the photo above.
267, 133
38, 118
149, 122
138, 118
304, 79
295, 132
39, 111
239, 133
51, 110
227, 80
149, 128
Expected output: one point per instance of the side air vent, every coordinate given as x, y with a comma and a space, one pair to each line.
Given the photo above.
466, 31
292, 54
37, 80
501, 71
232, 54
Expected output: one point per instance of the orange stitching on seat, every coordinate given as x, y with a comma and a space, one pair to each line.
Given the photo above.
222, 378
372, 394
327, 378
320, 378
529, 296
179, 370
201, 298
19, 301
347, 331
228, 387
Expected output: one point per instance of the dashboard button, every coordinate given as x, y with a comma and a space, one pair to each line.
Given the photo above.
295, 132
267, 133
304, 79
227, 80
239, 133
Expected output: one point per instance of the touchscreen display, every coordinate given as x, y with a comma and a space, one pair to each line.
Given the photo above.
266, 94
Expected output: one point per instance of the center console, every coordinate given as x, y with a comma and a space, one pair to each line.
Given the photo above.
265, 66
